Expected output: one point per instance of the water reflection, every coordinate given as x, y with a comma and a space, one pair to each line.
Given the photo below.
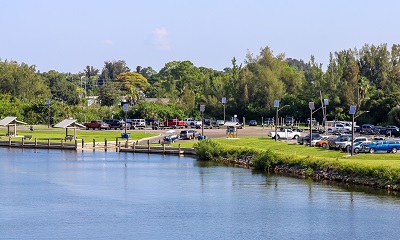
106, 195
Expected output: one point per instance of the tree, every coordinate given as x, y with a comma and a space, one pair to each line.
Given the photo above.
112, 69
62, 89
109, 95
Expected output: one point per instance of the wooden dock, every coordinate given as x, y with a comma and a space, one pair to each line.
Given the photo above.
117, 146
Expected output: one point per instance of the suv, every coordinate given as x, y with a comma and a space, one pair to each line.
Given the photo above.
289, 121
345, 144
188, 134
269, 122
392, 131
114, 123
253, 123
137, 123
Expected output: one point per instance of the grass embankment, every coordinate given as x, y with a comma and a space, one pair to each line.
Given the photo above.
379, 170
42, 133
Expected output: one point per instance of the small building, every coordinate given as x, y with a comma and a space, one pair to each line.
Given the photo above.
69, 124
11, 122
231, 129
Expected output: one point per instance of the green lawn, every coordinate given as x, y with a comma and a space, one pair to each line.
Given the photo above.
44, 133
376, 159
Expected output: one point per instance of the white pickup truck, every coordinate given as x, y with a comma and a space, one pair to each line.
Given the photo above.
339, 127
285, 133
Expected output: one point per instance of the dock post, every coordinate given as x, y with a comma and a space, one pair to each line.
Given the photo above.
179, 148
48, 142
83, 143
163, 148
35, 142
9, 141
76, 143
117, 149
134, 147
62, 143
23, 141
105, 144
148, 146
126, 143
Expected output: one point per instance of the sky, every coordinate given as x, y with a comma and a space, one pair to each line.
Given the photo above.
68, 35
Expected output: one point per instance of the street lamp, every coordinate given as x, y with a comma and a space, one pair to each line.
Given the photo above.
276, 105
312, 107
48, 103
223, 101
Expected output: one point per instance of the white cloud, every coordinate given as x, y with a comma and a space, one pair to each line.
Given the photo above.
108, 42
161, 38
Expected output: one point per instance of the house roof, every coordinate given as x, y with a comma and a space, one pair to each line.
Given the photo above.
10, 120
68, 123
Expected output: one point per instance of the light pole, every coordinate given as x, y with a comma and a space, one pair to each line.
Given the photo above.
276, 105
48, 104
125, 108
202, 109
311, 106
223, 101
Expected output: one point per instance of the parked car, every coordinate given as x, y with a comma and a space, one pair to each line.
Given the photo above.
138, 123
318, 139
96, 124
306, 139
188, 134
269, 122
381, 145
289, 121
220, 123
252, 123
358, 146
366, 128
392, 131
334, 143
285, 133
345, 144
114, 123
313, 121
323, 142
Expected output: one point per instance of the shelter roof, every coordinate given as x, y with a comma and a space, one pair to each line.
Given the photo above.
10, 120
231, 124
66, 123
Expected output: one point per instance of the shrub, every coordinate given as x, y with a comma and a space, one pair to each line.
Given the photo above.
207, 149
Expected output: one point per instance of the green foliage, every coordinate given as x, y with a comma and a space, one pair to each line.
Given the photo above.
265, 160
207, 149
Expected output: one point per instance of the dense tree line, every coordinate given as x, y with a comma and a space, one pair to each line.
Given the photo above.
368, 78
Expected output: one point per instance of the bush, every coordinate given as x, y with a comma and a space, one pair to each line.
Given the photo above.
207, 149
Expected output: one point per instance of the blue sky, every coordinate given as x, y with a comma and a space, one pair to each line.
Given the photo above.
69, 35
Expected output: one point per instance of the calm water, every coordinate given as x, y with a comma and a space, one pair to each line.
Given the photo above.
105, 195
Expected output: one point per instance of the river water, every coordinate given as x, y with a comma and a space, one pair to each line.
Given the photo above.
51, 194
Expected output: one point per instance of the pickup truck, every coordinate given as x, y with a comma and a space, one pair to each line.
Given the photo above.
174, 123
339, 128
190, 122
285, 133
381, 145
96, 124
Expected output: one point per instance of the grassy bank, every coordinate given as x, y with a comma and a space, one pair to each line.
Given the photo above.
379, 170
44, 133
